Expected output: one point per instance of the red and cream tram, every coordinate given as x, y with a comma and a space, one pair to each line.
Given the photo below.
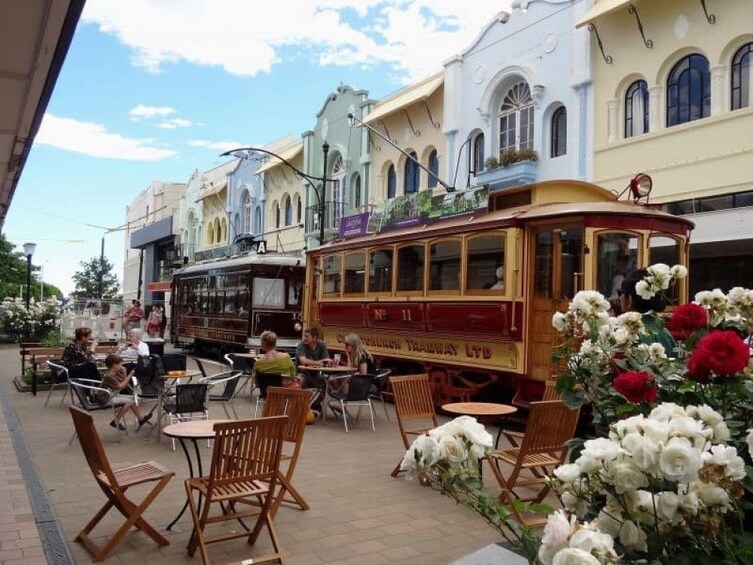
227, 304
469, 299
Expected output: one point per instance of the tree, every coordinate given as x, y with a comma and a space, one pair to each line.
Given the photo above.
12, 269
88, 279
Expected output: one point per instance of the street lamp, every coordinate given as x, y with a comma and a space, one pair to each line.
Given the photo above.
321, 204
29, 249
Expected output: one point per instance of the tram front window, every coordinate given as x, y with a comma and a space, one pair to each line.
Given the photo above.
332, 275
616, 256
571, 242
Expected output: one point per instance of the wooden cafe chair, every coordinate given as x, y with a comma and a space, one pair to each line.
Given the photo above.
115, 484
533, 455
293, 403
242, 480
413, 403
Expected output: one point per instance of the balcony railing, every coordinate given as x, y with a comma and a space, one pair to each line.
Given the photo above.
522, 172
333, 212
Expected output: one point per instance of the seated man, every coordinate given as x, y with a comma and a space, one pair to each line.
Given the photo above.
134, 347
312, 352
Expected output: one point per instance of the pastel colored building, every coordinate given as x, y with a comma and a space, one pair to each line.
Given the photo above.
347, 166
523, 85
191, 214
672, 98
213, 198
411, 118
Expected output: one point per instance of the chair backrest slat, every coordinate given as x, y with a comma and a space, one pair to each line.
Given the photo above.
190, 397
246, 450
293, 403
550, 424
413, 400
91, 445
550, 390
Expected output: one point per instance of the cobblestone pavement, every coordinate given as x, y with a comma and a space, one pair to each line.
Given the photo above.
359, 514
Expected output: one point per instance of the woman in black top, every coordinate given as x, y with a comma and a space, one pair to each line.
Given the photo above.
358, 358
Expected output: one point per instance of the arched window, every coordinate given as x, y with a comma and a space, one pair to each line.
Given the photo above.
277, 215
288, 211
257, 220
410, 178
559, 132
516, 119
223, 230
299, 209
688, 90
391, 182
434, 168
742, 78
357, 196
210, 234
217, 231
636, 109
477, 155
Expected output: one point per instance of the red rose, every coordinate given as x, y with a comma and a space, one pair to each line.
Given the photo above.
686, 319
721, 352
636, 386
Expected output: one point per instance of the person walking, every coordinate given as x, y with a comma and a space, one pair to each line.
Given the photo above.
133, 315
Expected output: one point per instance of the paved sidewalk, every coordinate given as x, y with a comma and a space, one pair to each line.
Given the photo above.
359, 514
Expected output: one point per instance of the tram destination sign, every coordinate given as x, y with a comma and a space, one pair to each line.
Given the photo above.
354, 225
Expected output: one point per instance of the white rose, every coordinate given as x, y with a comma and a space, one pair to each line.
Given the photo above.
749, 441
711, 495
609, 521
680, 461
643, 290
633, 537
476, 433
727, 457
688, 427
574, 556
573, 503
665, 411
667, 506
623, 427
557, 531
601, 448
678, 272
656, 430
592, 541
721, 432
452, 449
428, 450
644, 451
640, 505
568, 473
559, 321
708, 415
626, 476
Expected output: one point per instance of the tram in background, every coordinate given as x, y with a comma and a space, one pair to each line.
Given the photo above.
469, 299
225, 305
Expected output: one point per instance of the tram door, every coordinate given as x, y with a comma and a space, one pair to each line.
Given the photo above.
556, 267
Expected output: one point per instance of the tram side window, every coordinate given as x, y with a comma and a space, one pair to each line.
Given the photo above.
410, 268
444, 265
380, 270
485, 266
332, 275
355, 273
543, 258
663, 249
269, 293
617, 255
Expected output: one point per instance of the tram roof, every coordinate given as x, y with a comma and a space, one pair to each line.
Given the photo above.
274, 259
509, 217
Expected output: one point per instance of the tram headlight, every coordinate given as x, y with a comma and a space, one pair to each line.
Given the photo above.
640, 186
298, 326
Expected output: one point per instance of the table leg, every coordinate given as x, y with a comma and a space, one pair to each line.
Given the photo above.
190, 473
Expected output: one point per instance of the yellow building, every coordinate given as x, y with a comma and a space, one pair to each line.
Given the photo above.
213, 197
672, 98
411, 118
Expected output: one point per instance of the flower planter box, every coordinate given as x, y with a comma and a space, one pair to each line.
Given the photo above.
522, 172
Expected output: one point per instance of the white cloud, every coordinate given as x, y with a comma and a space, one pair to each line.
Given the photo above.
413, 36
218, 145
142, 111
93, 139
175, 123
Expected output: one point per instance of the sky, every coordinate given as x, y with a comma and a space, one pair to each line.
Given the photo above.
152, 90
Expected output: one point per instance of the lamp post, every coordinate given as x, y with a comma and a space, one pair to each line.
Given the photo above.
320, 194
29, 249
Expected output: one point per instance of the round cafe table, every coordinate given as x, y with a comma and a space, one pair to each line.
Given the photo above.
193, 431
481, 409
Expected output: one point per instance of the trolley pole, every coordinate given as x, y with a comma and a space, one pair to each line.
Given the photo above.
323, 193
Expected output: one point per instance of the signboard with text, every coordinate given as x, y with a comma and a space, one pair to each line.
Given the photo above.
354, 225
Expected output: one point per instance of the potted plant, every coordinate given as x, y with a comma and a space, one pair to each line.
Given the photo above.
491, 163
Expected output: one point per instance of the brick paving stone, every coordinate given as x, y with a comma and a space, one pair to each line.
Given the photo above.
359, 514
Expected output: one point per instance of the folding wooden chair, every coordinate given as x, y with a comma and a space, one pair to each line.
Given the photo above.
413, 401
245, 467
115, 484
534, 454
295, 405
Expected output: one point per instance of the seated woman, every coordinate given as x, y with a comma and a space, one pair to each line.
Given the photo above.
359, 360
115, 380
78, 356
273, 361
134, 347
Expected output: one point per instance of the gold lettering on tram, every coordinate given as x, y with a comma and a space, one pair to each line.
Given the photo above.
380, 314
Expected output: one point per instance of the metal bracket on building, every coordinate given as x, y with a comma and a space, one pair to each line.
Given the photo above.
607, 58
711, 18
373, 143
415, 131
436, 125
386, 131
647, 42
285, 176
272, 181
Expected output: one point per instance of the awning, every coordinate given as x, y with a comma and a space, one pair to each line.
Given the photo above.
211, 190
288, 154
409, 96
602, 8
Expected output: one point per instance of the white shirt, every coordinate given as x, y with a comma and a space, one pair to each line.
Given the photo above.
140, 350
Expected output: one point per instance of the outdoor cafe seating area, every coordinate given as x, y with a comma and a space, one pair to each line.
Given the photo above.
327, 497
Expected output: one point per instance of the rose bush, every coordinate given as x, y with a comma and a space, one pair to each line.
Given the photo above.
17, 322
